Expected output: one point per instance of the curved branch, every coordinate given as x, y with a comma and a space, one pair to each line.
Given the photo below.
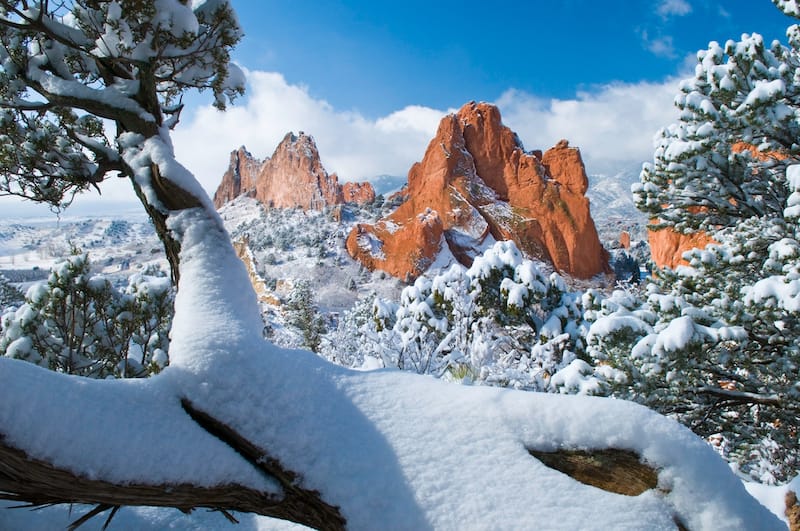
300, 505
38, 483
743, 397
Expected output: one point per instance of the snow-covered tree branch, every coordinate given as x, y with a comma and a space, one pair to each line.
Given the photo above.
68, 69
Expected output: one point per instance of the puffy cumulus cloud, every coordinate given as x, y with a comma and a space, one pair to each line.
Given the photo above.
669, 8
350, 144
660, 46
613, 125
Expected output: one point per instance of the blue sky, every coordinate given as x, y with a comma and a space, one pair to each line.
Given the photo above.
376, 57
371, 80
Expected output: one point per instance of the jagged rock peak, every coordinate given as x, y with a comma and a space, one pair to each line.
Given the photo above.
293, 176
240, 177
482, 185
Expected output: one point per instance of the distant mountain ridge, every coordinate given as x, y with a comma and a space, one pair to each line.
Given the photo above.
610, 194
292, 177
387, 184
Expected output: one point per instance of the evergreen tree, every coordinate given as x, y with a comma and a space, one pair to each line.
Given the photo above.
302, 313
716, 344
354, 339
500, 322
726, 158
9, 295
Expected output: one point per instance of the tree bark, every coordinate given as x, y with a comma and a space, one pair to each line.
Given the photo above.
173, 198
618, 471
792, 511
38, 483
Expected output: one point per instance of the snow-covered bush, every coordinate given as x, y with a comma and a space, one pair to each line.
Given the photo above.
9, 294
81, 324
501, 322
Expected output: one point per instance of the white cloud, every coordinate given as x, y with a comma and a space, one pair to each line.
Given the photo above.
612, 124
351, 145
667, 8
662, 46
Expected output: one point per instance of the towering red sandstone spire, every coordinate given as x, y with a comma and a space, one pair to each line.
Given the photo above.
476, 181
293, 176
239, 179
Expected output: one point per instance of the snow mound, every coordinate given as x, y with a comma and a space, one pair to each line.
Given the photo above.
393, 450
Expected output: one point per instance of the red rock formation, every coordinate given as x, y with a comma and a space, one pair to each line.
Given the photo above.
566, 167
477, 181
625, 240
358, 193
239, 179
400, 195
667, 246
401, 255
265, 295
293, 176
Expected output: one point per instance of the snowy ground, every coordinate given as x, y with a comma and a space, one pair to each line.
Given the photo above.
134, 519
392, 449
295, 245
122, 243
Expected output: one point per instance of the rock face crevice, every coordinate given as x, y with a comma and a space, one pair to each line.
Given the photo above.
292, 177
477, 182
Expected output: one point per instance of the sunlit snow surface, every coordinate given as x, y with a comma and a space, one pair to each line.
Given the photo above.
394, 450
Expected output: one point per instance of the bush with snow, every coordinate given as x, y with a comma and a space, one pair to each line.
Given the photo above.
501, 322
80, 323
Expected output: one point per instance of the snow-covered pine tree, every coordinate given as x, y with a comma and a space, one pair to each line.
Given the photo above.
9, 294
302, 313
353, 341
716, 343
726, 157
501, 322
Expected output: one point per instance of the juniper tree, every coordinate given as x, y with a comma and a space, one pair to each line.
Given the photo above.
79, 323
9, 294
85, 84
302, 313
